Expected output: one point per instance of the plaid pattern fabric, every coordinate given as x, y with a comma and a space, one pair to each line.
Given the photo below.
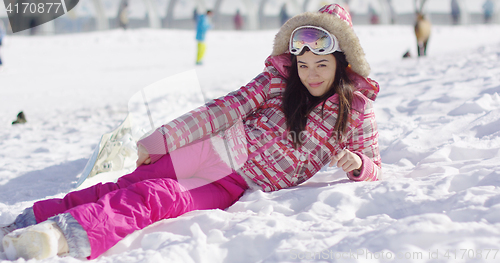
271, 160
338, 11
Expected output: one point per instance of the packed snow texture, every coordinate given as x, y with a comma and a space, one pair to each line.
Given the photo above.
438, 119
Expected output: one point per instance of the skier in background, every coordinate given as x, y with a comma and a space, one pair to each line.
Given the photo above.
123, 15
238, 20
374, 19
283, 14
195, 14
202, 26
488, 8
455, 11
392, 12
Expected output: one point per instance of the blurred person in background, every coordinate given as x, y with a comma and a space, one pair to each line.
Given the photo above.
238, 20
195, 14
392, 12
283, 14
455, 11
488, 8
123, 15
203, 24
374, 19
2, 34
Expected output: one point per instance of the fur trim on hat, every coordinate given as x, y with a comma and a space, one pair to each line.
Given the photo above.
348, 41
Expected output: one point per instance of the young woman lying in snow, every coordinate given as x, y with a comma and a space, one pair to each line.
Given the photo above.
311, 106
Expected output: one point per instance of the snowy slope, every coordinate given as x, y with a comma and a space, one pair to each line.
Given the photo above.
438, 118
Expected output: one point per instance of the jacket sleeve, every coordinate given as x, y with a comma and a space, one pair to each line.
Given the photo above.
212, 118
364, 142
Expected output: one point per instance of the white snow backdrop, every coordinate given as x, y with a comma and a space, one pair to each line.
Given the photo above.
438, 119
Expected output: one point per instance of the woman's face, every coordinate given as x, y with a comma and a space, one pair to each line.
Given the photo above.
317, 72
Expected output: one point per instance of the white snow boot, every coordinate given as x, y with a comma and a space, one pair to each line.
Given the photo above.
39, 241
6, 230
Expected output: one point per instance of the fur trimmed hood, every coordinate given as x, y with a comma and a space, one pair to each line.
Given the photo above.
337, 24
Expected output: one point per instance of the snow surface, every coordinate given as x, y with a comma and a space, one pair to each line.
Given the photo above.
438, 118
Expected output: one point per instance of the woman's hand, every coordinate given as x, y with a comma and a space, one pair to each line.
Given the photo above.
143, 154
347, 160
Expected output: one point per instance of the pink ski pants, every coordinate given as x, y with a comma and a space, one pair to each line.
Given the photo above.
190, 178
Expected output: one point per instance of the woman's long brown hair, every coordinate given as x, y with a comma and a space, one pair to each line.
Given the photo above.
298, 102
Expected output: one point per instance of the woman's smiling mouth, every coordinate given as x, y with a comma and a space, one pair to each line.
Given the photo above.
315, 84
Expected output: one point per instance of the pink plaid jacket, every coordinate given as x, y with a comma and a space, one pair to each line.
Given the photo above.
270, 158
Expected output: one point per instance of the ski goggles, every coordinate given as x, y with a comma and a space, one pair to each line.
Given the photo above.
318, 40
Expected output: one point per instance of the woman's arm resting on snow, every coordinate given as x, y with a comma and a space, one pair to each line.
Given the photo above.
364, 143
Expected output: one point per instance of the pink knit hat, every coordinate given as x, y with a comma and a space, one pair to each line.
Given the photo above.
335, 20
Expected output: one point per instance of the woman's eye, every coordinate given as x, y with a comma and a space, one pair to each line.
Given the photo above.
302, 66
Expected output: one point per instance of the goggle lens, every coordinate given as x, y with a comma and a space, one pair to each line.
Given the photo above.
319, 41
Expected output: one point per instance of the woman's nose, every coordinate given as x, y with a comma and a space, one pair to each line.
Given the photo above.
313, 73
